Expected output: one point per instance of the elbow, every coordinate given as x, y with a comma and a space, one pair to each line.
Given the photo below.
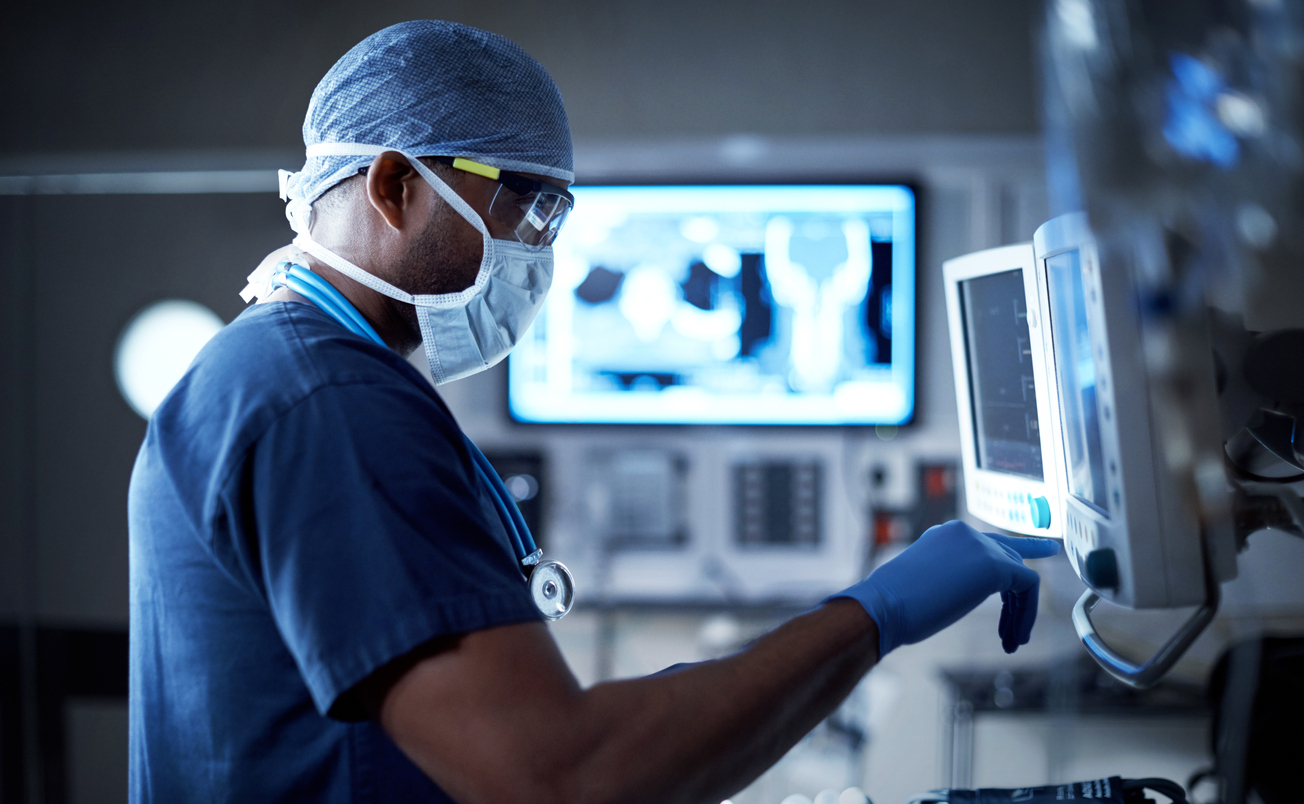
566, 783
579, 784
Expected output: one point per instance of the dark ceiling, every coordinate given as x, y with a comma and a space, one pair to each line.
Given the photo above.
95, 77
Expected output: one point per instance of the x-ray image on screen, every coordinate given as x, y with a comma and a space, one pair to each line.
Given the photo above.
726, 304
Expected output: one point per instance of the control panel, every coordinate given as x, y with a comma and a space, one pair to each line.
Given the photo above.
1008, 429
1003, 503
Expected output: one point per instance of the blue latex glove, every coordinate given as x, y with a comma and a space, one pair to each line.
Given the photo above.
944, 575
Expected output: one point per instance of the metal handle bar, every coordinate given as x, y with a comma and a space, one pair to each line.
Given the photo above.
1146, 675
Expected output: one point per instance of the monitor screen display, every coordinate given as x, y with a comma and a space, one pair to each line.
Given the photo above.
1002, 386
720, 304
1075, 372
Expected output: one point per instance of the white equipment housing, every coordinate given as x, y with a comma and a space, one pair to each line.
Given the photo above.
1125, 531
1009, 433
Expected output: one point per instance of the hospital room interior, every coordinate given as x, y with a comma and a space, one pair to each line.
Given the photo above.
835, 273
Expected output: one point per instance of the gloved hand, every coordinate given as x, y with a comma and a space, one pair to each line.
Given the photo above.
944, 575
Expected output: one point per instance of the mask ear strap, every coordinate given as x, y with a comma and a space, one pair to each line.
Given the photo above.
305, 242
357, 149
445, 192
448, 194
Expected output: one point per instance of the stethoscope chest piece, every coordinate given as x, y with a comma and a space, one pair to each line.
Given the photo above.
553, 589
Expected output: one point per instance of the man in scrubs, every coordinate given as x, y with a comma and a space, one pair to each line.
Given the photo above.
325, 605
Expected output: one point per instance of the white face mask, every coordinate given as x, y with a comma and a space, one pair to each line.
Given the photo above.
465, 332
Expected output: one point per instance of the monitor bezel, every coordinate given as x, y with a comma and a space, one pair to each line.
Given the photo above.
990, 262
912, 184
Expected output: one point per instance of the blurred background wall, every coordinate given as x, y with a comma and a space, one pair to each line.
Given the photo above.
90, 77
941, 92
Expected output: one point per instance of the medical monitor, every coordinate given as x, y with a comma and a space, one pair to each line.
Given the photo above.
1125, 531
726, 304
1008, 436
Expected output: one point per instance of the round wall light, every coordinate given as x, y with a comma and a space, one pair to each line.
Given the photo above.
157, 346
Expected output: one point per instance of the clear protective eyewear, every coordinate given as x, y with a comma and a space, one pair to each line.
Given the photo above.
534, 210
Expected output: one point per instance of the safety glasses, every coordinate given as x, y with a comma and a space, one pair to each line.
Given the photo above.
534, 210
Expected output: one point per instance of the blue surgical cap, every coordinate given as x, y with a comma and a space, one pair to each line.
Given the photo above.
434, 88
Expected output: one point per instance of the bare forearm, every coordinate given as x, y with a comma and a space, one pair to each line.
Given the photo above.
705, 732
498, 716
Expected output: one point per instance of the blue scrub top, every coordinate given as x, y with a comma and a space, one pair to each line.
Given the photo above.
303, 512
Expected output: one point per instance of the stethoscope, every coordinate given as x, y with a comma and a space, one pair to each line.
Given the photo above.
551, 584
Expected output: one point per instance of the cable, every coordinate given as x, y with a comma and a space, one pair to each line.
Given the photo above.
327, 297
513, 521
1165, 787
1242, 473
1290, 501
340, 301
1245, 474
326, 304
522, 529
337, 306
1200, 776
324, 289
503, 513
514, 511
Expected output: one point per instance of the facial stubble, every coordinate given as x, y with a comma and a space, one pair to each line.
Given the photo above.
444, 258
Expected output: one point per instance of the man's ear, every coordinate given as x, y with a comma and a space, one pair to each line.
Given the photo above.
390, 187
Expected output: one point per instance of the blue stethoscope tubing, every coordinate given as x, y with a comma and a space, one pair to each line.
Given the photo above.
508, 511
325, 296
332, 302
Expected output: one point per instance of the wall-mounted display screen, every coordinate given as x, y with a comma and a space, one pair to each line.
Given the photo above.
1002, 386
1075, 369
715, 304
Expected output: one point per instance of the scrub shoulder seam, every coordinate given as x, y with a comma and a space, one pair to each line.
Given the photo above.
243, 451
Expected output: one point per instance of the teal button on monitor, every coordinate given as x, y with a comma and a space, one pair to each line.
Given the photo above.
1039, 507
1101, 570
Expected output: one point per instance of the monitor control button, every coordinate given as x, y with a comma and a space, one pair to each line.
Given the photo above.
1101, 569
1039, 507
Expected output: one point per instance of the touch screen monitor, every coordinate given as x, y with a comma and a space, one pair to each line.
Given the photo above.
1076, 378
767, 305
1126, 531
1132, 530
1007, 421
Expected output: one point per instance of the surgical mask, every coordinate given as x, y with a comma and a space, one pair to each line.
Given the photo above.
465, 332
